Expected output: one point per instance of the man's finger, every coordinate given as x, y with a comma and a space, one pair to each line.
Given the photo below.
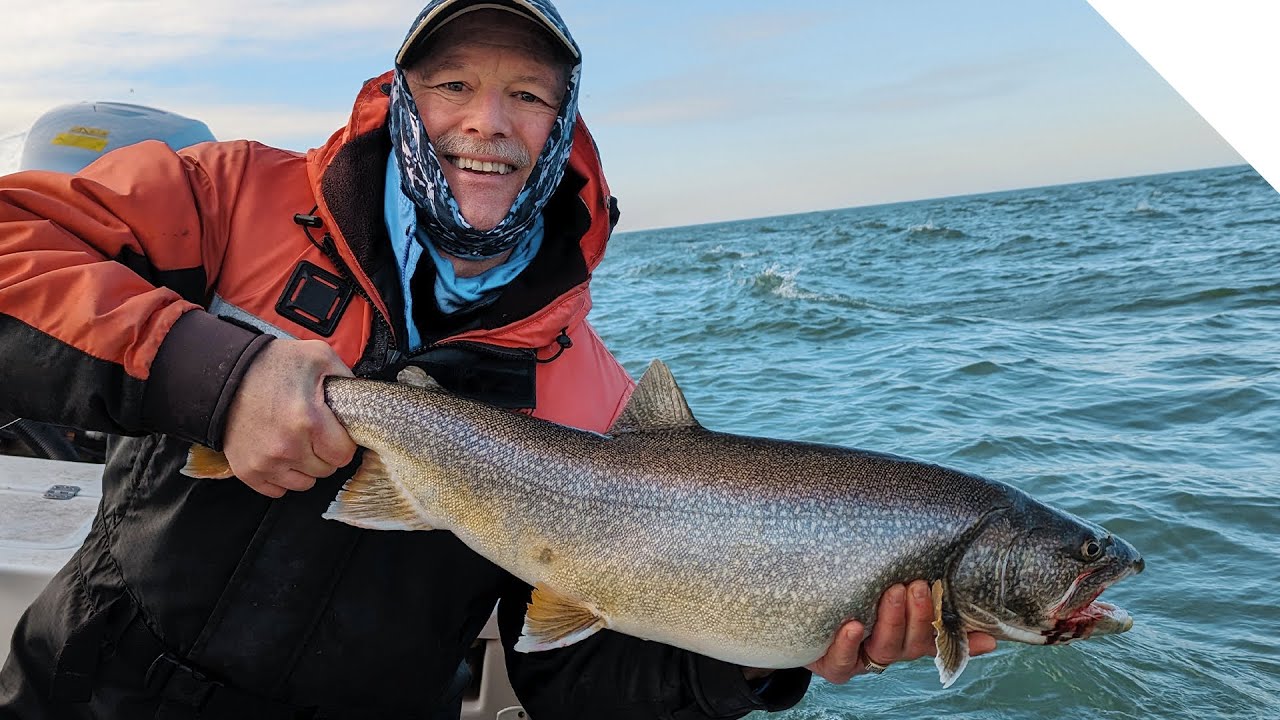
313, 467
332, 444
841, 661
843, 653
263, 487
294, 480
980, 643
887, 636
919, 639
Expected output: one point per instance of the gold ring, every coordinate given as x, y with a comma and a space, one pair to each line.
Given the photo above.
871, 666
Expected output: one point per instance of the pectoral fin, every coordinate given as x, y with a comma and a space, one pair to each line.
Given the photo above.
372, 499
951, 638
205, 463
555, 621
417, 377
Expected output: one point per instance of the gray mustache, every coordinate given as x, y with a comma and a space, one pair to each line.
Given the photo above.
508, 151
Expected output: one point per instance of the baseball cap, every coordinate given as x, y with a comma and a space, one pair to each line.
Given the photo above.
438, 14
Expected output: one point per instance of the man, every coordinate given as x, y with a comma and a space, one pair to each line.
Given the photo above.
453, 224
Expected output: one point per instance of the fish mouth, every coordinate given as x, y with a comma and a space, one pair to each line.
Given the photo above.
1094, 618
1081, 614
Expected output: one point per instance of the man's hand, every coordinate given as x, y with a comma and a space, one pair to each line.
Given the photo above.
903, 631
280, 434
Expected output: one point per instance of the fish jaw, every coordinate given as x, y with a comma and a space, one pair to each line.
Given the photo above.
1105, 618
1061, 624
1088, 616
1094, 618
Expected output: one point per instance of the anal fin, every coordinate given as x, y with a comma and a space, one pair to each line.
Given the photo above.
951, 638
555, 620
372, 499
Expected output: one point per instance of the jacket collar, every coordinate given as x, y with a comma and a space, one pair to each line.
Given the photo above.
347, 175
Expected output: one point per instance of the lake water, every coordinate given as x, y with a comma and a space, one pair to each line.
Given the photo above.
1109, 347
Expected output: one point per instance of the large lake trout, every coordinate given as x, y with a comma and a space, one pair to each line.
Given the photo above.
745, 549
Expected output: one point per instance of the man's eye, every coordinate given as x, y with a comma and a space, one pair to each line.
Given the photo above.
528, 97
455, 86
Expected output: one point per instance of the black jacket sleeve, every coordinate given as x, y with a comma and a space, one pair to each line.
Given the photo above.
618, 677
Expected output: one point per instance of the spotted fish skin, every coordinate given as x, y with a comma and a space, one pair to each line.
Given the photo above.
745, 549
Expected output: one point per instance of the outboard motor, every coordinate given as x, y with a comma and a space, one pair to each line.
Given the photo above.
66, 139
69, 137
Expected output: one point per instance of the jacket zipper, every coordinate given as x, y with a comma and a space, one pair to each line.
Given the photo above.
383, 340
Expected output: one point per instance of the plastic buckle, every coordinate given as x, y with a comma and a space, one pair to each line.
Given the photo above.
315, 298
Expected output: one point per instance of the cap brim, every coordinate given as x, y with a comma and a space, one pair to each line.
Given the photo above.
447, 12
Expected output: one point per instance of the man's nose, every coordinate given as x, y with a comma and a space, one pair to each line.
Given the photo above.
488, 115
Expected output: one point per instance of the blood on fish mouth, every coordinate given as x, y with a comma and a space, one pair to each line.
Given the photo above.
1081, 622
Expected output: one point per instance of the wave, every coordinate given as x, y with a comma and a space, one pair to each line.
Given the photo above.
775, 282
1274, 222
1195, 298
930, 230
1144, 208
981, 368
1020, 202
720, 253
782, 284
1025, 242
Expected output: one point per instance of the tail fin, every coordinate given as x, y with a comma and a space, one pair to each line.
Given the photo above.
205, 463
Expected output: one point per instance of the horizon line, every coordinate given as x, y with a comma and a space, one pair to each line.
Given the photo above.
939, 197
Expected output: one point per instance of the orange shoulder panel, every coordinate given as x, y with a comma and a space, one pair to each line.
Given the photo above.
62, 233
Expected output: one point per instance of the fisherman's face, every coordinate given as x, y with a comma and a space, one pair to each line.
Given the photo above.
488, 92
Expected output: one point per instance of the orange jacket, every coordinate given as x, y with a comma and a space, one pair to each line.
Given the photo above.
105, 279
105, 276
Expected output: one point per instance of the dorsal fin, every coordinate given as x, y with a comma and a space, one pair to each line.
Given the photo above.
656, 404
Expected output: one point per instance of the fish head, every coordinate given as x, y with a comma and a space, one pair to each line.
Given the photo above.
1033, 574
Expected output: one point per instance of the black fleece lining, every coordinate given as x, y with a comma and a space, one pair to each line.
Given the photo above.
354, 188
195, 374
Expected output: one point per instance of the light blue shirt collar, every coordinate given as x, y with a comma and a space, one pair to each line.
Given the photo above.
452, 293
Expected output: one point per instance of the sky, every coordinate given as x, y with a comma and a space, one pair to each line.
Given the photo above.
704, 111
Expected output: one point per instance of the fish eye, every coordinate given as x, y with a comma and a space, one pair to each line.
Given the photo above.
1091, 550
